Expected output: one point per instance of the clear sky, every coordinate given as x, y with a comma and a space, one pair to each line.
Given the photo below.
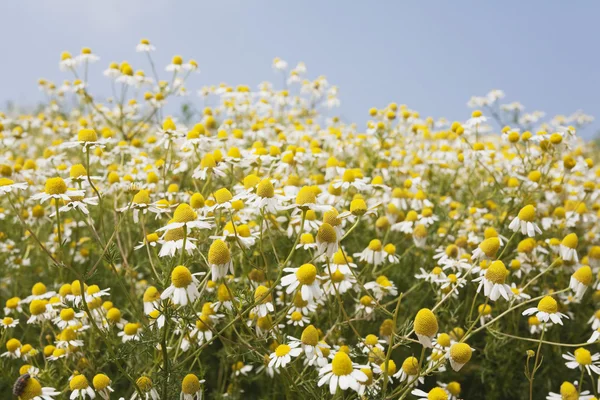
431, 56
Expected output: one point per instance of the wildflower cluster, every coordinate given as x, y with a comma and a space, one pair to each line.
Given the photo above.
259, 248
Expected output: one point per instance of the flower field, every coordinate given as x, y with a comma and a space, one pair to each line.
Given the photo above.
256, 246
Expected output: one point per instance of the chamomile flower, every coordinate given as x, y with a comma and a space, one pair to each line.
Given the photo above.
283, 354
219, 259
148, 392
459, 355
101, 384
341, 373
425, 326
546, 310
437, 393
304, 277
56, 188
297, 319
33, 390
568, 248
131, 331
80, 388
327, 240
8, 186
183, 288
409, 372
569, 391
144, 46
524, 222
373, 254
582, 358
580, 280
493, 282
265, 300
382, 287
191, 388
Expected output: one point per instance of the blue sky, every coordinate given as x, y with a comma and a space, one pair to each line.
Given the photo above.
431, 56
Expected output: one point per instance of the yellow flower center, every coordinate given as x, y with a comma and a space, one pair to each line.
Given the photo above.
490, 246
497, 272
308, 238
260, 292
341, 364
38, 289
203, 323
190, 384
223, 195
55, 186
583, 356
452, 251
208, 161
218, 253
67, 314
142, 197
410, 366
197, 201
389, 249
584, 275
391, 367
265, 188
6, 181
144, 383
454, 388
101, 382
131, 329
184, 213
79, 382
437, 393
151, 294
358, 207
426, 323
12, 345
87, 135
181, 277
296, 316
174, 234
568, 391
411, 216
32, 389
337, 276
382, 280
326, 233
366, 301
310, 336
571, 241
371, 340
461, 353
548, 305
223, 293
443, 339
375, 245
420, 231
37, 307
306, 195
306, 274
369, 373
331, 217
113, 315
527, 213
282, 350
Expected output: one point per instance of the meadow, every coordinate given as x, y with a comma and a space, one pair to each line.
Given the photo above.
256, 245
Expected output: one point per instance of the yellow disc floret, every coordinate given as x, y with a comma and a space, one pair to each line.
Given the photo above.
181, 277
